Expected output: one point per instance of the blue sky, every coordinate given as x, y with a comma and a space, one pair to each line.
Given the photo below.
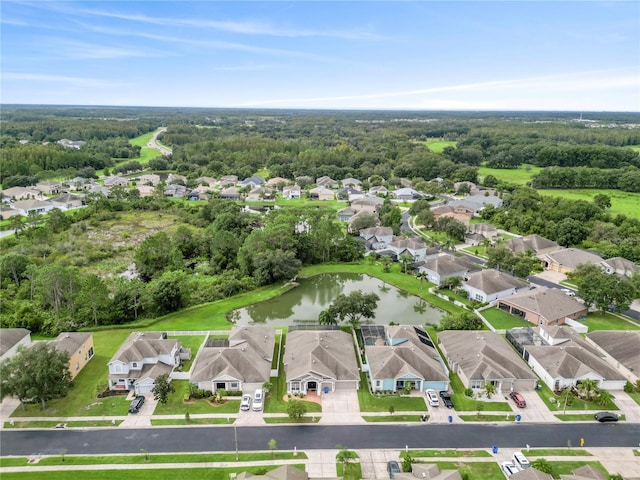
543, 55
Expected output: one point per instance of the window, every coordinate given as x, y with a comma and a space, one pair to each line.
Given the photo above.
134, 365
295, 386
234, 385
479, 297
91, 352
118, 368
477, 384
377, 383
77, 366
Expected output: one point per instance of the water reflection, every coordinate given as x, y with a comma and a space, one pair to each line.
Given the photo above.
304, 303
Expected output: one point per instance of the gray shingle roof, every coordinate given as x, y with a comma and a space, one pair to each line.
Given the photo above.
533, 243
141, 345
492, 281
448, 264
572, 257
70, 341
10, 337
550, 303
624, 346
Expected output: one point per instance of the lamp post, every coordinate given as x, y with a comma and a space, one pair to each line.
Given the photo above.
235, 434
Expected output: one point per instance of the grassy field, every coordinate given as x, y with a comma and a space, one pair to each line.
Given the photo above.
53, 423
437, 145
175, 404
193, 421
557, 452
519, 176
488, 418
567, 467
474, 470
446, 453
606, 321
621, 202
382, 403
393, 418
350, 471
465, 404
503, 320
193, 342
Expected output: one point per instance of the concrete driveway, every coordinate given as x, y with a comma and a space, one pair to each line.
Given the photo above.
627, 405
143, 417
535, 411
340, 407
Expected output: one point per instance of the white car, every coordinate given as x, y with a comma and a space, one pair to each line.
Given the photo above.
568, 292
245, 403
432, 396
509, 468
520, 461
258, 399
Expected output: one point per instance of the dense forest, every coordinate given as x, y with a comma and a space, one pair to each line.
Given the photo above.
68, 270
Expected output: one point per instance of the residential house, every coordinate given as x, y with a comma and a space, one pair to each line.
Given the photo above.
228, 180
7, 212
145, 190
531, 473
401, 356
378, 190
406, 183
346, 214
76, 144
175, 190
406, 194
278, 182
620, 349
321, 193
532, 243
67, 201
252, 182
586, 472
489, 285
114, 180
149, 179
351, 182
326, 182
49, 188
104, 191
240, 363
377, 238
79, 346
27, 206
543, 306
261, 194
230, 193
619, 266
477, 202
21, 193
567, 259
304, 180
442, 267
485, 229
428, 471
142, 358
481, 357
568, 360
205, 182
367, 204
320, 361
414, 247
175, 178
459, 212
291, 192
11, 339
350, 194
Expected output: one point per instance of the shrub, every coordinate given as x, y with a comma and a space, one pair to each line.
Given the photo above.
468, 392
628, 387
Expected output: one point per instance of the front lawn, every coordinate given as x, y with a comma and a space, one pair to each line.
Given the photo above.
176, 406
558, 405
350, 471
392, 418
567, 467
474, 470
382, 403
557, 452
467, 404
193, 421
487, 418
579, 417
501, 320
446, 453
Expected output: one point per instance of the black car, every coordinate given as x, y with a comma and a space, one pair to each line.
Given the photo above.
136, 405
446, 399
393, 468
606, 417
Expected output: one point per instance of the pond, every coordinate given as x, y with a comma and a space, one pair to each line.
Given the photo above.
304, 303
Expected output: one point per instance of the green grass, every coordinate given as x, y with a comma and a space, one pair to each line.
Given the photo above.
193, 342
579, 417
567, 467
557, 452
519, 176
635, 396
392, 418
621, 202
545, 394
465, 404
310, 418
71, 424
350, 471
474, 470
478, 251
194, 421
304, 202
456, 296
502, 320
437, 145
373, 403
176, 406
446, 453
607, 321
487, 418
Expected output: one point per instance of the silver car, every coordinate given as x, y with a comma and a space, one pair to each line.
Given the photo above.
245, 403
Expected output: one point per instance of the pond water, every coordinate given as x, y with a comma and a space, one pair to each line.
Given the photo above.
304, 303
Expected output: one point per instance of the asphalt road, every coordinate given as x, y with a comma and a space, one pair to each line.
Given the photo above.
309, 437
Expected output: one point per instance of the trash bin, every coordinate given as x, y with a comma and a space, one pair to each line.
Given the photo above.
538, 387
326, 389
450, 418
494, 449
518, 418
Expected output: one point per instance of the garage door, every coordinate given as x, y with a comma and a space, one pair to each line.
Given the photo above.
346, 385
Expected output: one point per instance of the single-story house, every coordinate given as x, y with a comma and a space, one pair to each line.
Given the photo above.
530, 474
477, 202
351, 182
227, 180
485, 229
378, 190
291, 192
252, 182
141, 359
149, 179
319, 361
586, 472
445, 266
563, 364
367, 204
428, 471
240, 363
49, 188
66, 143
621, 349
21, 193
401, 355
175, 190
145, 190
567, 259
481, 357
11, 339
490, 285
260, 194
284, 472
345, 214
79, 346
406, 194
67, 201
459, 212
377, 237
321, 193
619, 266
350, 194
543, 306
7, 212
531, 243
230, 193
326, 182
37, 206
114, 180
176, 178
413, 247
278, 182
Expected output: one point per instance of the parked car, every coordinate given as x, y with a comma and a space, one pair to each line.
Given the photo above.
136, 404
568, 292
519, 399
606, 417
258, 399
245, 403
432, 398
509, 468
446, 399
393, 468
520, 461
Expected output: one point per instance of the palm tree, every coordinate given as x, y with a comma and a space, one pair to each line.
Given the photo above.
588, 388
386, 263
490, 389
603, 397
567, 397
421, 276
406, 260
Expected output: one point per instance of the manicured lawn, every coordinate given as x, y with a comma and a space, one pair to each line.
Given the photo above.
474, 470
635, 396
446, 453
502, 320
382, 403
437, 145
176, 406
393, 418
621, 202
545, 394
478, 250
194, 421
456, 296
350, 471
193, 342
465, 404
607, 321
579, 417
308, 419
52, 423
557, 452
567, 468
487, 418
519, 176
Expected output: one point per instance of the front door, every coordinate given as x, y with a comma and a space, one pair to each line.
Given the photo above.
221, 386
312, 386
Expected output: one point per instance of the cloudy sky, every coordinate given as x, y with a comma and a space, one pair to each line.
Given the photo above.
508, 55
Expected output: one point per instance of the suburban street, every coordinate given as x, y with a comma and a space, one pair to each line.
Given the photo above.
310, 437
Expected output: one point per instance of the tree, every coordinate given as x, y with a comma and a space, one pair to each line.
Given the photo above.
603, 397
155, 254
273, 446
587, 388
267, 386
406, 259
489, 389
386, 263
14, 266
40, 372
169, 292
345, 456
597, 288
93, 297
422, 276
452, 283
461, 321
362, 221
351, 307
543, 465
162, 388
602, 201
296, 409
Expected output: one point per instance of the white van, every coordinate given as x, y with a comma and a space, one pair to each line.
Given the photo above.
520, 461
258, 400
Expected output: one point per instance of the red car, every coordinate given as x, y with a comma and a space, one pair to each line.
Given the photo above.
519, 399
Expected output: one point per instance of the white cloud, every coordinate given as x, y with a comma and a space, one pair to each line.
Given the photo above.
72, 81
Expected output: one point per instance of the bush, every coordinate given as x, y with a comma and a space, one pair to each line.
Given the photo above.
628, 387
468, 392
